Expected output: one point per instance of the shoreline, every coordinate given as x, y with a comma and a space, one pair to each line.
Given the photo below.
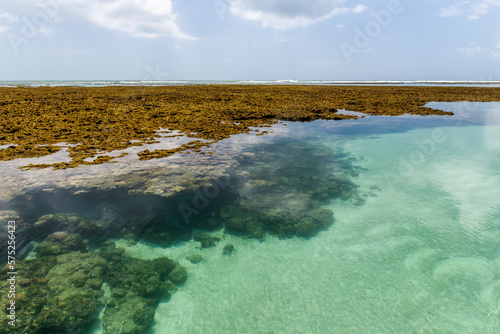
92, 120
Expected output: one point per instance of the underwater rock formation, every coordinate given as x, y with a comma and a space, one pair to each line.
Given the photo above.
280, 188
228, 249
194, 258
60, 291
61, 242
136, 288
22, 232
62, 297
206, 240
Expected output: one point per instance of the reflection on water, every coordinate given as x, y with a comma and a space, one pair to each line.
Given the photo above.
375, 225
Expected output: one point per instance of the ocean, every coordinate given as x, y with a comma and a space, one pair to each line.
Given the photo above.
104, 83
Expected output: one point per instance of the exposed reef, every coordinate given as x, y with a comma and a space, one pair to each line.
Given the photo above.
100, 120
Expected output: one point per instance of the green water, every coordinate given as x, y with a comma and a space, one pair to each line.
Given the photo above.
421, 255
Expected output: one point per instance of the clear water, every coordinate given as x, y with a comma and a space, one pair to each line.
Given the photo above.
422, 255
419, 254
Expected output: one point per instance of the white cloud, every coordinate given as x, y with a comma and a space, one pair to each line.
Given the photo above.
140, 18
359, 8
289, 14
6, 20
495, 53
473, 10
471, 50
7, 17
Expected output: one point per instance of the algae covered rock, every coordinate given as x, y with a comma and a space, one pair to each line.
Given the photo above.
228, 249
206, 240
178, 275
59, 222
62, 296
194, 258
63, 293
131, 315
60, 243
136, 288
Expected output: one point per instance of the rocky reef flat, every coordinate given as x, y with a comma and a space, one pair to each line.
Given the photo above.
92, 122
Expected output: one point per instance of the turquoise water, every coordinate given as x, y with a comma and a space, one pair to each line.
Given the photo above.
421, 255
414, 249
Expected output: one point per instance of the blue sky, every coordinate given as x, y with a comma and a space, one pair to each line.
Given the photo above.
249, 39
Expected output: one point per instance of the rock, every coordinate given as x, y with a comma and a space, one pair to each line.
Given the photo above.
20, 297
59, 236
163, 266
194, 258
205, 239
119, 293
57, 245
228, 249
131, 316
42, 280
109, 252
136, 287
24, 282
61, 221
178, 275
52, 304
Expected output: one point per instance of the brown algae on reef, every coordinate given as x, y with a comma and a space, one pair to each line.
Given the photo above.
96, 121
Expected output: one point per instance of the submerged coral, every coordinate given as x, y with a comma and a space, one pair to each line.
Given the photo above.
60, 291
205, 240
136, 288
281, 188
61, 242
228, 249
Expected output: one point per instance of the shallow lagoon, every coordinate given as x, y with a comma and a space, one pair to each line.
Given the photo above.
413, 248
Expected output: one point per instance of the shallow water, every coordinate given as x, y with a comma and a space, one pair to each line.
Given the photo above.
414, 248
422, 255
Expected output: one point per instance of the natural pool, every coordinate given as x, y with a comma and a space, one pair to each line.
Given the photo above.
413, 246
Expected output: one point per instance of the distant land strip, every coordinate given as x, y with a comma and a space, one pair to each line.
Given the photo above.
95, 120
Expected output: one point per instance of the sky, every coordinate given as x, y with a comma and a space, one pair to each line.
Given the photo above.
249, 40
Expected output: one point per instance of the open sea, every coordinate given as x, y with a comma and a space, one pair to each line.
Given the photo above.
103, 83
413, 246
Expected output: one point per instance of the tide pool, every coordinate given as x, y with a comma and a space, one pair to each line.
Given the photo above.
413, 246
420, 255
